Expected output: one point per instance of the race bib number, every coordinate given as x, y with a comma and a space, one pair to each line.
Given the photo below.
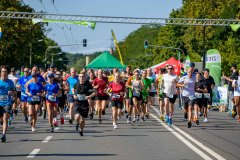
52, 98
116, 96
81, 97
3, 97
35, 99
169, 95
191, 97
198, 95
206, 95
136, 93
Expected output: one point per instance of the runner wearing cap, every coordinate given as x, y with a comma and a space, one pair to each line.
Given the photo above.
51, 90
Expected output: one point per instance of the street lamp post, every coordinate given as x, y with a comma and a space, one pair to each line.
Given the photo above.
30, 52
54, 55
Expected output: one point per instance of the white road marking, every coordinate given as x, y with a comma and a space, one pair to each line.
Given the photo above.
210, 151
47, 139
33, 153
192, 147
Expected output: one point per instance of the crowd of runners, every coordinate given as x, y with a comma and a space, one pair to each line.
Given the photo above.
87, 94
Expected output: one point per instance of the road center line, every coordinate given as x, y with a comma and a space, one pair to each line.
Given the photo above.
210, 151
33, 153
181, 138
47, 139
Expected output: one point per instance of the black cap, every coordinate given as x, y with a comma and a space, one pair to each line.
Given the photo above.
206, 69
192, 64
34, 75
234, 65
52, 66
50, 75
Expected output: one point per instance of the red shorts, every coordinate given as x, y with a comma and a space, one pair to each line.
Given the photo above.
54, 104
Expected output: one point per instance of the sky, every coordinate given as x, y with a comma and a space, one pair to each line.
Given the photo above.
100, 38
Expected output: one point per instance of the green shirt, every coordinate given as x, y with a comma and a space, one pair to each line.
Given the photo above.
147, 84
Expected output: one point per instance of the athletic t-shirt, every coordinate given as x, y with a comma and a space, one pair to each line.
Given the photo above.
116, 89
34, 88
82, 89
71, 82
102, 84
152, 80
5, 86
189, 88
170, 83
22, 81
50, 89
237, 87
209, 82
147, 84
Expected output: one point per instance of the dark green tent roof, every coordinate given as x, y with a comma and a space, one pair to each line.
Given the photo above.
105, 60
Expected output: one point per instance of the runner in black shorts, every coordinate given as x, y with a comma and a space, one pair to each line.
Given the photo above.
81, 95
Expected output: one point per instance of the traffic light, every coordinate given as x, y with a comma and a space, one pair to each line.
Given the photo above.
146, 44
84, 42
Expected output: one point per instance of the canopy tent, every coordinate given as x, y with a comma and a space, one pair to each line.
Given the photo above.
105, 60
155, 66
171, 61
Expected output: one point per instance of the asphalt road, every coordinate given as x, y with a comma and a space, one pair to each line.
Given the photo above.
152, 139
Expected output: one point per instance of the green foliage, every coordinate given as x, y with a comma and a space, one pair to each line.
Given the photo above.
188, 38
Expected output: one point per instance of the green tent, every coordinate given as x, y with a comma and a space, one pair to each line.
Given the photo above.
105, 60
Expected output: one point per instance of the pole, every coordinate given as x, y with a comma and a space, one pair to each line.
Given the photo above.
30, 55
203, 43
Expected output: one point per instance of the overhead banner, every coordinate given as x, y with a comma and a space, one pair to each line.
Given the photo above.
91, 25
213, 63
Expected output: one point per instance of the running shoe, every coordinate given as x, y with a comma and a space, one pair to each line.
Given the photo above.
103, 112
162, 118
138, 119
185, 115
76, 126
9, 122
3, 139
134, 119
129, 120
127, 116
91, 116
62, 120
197, 122
126, 112
44, 114
33, 129
238, 120
142, 119
15, 112
52, 129
81, 133
40, 113
205, 120
99, 121
166, 118
170, 121
26, 119
189, 124
55, 123
200, 114
115, 126
70, 121
147, 115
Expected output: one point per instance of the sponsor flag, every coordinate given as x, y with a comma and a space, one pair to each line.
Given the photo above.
235, 27
117, 47
213, 63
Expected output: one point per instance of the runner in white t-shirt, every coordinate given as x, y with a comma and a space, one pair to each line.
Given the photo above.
170, 81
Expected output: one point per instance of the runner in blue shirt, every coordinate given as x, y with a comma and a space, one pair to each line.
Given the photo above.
21, 85
6, 92
51, 92
34, 91
71, 81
